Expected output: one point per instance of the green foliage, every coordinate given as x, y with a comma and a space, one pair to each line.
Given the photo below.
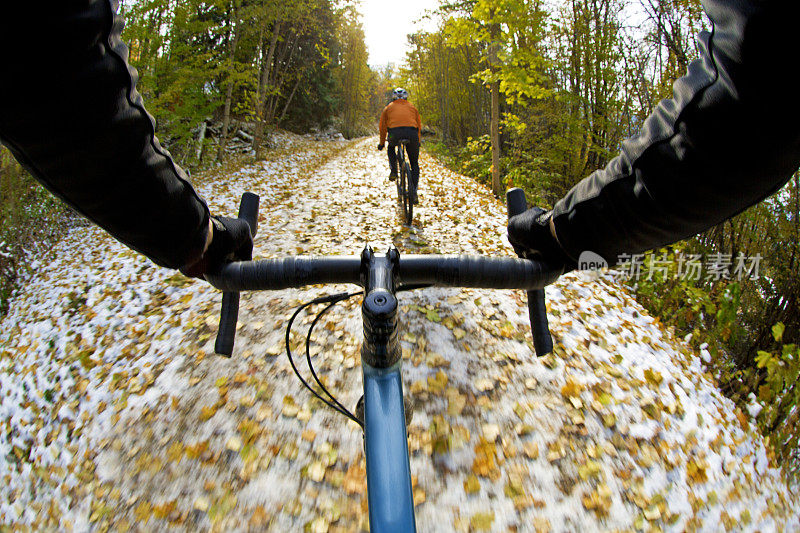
515, 27
479, 161
30, 219
562, 72
750, 324
354, 77
315, 102
692, 304
438, 77
780, 396
294, 64
177, 47
777, 331
575, 83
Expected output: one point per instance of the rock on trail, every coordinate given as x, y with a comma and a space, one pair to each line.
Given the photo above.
116, 415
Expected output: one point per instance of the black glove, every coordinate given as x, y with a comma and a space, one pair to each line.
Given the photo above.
231, 241
380, 147
529, 234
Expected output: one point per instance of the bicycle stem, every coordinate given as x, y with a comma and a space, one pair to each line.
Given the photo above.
379, 309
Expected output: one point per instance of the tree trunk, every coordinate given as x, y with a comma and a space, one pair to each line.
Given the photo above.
446, 119
796, 220
289, 100
201, 137
266, 66
226, 122
272, 101
495, 135
226, 113
494, 127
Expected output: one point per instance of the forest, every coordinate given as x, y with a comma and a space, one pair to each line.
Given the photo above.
528, 93
539, 94
217, 77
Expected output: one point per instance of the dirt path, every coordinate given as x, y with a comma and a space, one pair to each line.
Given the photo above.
117, 415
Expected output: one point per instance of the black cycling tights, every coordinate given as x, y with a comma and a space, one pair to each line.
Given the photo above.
412, 150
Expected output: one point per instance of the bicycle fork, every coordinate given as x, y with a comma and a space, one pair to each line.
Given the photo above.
391, 502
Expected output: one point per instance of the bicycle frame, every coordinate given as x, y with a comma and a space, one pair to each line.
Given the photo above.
391, 502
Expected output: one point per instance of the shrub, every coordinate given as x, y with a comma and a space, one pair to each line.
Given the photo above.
30, 219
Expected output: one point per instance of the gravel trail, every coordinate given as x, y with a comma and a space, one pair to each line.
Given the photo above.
116, 414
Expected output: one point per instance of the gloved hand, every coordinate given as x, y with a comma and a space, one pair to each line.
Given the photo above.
529, 233
380, 147
230, 241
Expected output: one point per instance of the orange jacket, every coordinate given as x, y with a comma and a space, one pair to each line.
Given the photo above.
398, 114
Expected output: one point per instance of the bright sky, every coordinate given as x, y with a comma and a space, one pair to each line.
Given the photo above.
386, 24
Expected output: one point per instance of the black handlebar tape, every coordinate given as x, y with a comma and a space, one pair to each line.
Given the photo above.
475, 271
286, 273
438, 270
537, 311
229, 314
248, 211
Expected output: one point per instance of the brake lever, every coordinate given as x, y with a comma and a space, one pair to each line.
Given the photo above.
537, 310
229, 313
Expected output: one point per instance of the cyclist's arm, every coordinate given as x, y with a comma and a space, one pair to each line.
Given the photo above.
384, 129
419, 124
70, 113
729, 138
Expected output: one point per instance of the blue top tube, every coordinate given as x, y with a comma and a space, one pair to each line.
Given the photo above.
391, 503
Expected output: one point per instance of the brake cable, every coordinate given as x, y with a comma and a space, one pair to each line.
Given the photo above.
331, 300
308, 349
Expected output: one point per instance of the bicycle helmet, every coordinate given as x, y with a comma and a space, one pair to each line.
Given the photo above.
399, 93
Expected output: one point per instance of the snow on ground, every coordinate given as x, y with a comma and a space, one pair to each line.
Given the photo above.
117, 415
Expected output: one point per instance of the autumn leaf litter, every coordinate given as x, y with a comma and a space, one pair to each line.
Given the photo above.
117, 415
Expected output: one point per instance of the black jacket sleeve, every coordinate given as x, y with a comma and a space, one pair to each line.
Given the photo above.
70, 113
728, 138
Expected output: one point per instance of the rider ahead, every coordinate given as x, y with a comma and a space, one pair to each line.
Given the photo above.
401, 120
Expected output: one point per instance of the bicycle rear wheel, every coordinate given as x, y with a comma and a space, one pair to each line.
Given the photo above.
412, 188
410, 192
400, 191
407, 205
